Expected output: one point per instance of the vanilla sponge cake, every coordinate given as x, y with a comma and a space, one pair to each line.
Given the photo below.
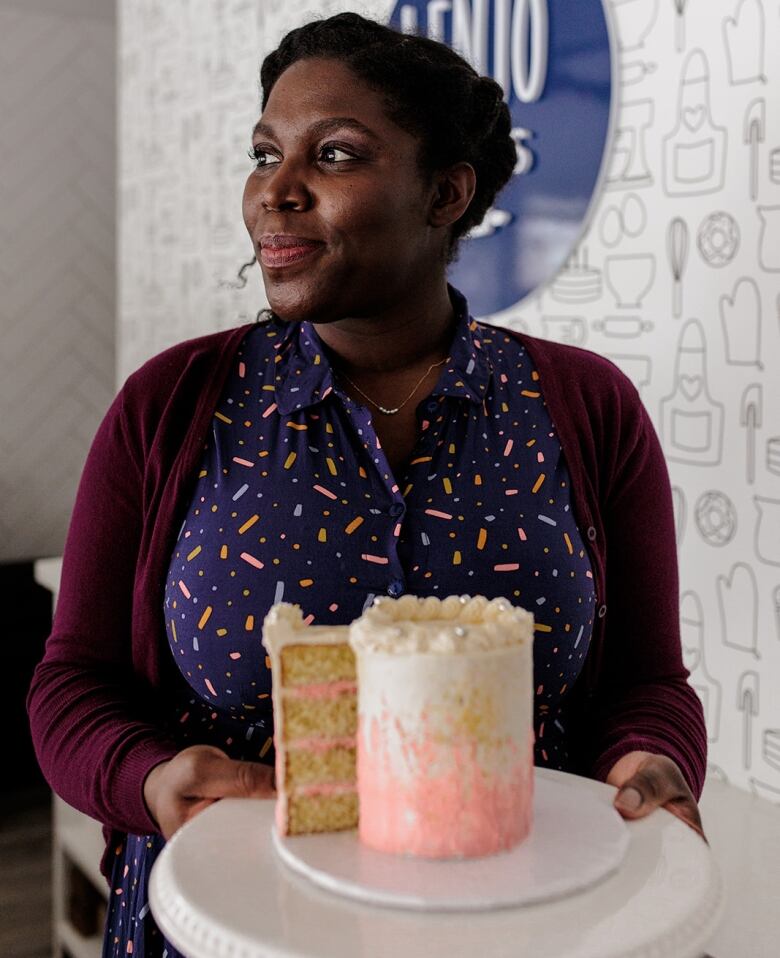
315, 721
445, 725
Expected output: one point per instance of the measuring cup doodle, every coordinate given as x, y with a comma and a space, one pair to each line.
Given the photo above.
769, 252
767, 539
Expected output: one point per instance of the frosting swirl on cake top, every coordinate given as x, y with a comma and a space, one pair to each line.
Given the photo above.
456, 624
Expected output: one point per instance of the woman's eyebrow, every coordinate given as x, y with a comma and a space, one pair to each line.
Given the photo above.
321, 127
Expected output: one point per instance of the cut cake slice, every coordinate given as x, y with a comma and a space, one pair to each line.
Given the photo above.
315, 722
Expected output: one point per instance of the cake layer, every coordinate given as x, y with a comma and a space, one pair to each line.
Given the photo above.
310, 664
306, 766
312, 717
321, 812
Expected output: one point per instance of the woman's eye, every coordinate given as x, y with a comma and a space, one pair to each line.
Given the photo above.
333, 154
262, 157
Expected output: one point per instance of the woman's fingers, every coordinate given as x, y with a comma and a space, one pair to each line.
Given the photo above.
656, 781
197, 777
221, 777
647, 788
689, 813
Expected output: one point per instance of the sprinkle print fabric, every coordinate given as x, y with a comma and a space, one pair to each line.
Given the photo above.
294, 500
130, 928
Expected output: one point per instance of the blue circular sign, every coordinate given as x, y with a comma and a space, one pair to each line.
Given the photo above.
553, 60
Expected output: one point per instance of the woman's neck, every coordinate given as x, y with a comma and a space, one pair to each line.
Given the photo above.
403, 337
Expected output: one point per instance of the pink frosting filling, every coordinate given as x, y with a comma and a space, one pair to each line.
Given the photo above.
321, 690
335, 788
460, 812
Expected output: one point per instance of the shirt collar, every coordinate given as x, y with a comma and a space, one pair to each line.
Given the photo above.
467, 374
305, 377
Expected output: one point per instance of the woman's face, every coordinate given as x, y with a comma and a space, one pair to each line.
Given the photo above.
337, 207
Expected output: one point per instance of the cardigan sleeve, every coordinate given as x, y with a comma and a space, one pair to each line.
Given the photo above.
92, 719
643, 700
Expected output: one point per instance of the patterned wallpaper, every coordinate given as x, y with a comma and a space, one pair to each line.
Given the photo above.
677, 280
57, 275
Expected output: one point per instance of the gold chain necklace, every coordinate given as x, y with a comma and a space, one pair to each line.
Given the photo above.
382, 409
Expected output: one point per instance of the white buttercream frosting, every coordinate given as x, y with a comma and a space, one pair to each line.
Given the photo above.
454, 625
284, 624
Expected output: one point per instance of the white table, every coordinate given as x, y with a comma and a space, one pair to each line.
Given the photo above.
744, 833
219, 891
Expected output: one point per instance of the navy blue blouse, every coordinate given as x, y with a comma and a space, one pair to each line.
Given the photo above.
295, 501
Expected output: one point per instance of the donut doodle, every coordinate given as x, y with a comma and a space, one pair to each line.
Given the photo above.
716, 518
718, 239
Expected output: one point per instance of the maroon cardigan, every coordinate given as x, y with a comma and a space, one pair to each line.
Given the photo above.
97, 698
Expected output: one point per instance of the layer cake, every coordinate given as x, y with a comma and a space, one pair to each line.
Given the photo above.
414, 724
315, 721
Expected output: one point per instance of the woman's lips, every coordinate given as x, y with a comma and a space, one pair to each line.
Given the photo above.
277, 256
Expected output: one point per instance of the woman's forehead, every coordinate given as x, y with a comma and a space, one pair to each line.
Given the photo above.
327, 88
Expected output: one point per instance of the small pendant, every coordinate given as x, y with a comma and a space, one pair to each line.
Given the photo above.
388, 412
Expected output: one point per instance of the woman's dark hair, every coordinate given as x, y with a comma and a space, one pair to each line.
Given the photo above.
430, 91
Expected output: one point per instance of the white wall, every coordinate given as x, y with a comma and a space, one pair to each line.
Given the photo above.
189, 95
57, 220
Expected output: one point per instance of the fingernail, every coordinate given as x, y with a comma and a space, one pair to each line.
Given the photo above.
629, 798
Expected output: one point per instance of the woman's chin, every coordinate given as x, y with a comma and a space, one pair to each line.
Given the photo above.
296, 305
291, 306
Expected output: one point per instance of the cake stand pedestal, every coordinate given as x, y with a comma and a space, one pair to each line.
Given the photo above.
219, 890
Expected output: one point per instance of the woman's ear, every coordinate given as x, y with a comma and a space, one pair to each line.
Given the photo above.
454, 190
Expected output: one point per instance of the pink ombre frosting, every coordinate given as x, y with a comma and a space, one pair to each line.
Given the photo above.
445, 734
460, 811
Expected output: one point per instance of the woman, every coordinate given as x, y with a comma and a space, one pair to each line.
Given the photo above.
368, 438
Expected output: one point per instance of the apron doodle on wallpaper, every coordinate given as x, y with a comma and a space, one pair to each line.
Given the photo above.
691, 421
695, 150
553, 60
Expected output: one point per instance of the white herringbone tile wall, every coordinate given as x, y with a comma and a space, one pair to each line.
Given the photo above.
189, 96
57, 271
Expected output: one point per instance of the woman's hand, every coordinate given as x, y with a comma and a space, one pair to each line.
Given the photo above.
647, 781
198, 776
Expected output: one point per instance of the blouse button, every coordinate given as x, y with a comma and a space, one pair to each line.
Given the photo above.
602, 611
396, 509
591, 533
432, 406
395, 588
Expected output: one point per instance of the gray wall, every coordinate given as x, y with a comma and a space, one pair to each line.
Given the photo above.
57, 271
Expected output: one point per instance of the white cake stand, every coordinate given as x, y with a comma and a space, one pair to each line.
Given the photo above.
220, 890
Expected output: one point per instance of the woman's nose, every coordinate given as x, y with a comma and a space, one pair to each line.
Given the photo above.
284, 188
